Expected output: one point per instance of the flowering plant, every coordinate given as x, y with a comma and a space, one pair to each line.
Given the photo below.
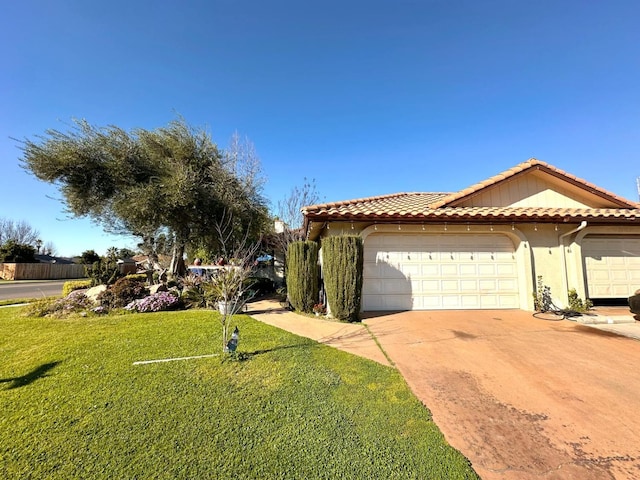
154, 303
73, 302
318, 308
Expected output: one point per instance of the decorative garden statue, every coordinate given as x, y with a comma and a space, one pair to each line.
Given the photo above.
233, 343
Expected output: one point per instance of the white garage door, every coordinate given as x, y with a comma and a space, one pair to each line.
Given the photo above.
612, 265
435, 272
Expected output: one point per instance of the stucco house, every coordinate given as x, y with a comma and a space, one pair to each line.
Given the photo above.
486, 245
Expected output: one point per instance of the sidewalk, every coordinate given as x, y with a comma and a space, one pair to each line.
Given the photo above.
349, 337
355, 337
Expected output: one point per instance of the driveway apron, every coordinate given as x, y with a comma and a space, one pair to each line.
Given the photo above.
520, 397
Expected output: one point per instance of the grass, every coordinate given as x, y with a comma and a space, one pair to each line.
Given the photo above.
74, 406
16, 301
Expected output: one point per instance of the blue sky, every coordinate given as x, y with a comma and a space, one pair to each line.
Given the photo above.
367, 97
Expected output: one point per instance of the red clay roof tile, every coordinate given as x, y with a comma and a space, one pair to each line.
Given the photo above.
434, 206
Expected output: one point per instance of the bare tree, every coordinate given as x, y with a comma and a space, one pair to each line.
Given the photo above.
290, 207
289, 212
49, 248
241, 158
230, 283
19, 231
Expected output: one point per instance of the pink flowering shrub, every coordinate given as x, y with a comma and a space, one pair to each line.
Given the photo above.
154, 303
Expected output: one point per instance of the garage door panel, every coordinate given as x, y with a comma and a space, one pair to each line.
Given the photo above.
469, 270
449, 270
374, 302
397, 302
470, 301
430, 270
370, 270
612, 265
507, 301
451, 301
505, 269
410, 269
506, 285
427, 286
487, 284
433, 271
389, 271
489, 301
449, 286
373, 287
469, 285
393, 286
487, 270
619, 275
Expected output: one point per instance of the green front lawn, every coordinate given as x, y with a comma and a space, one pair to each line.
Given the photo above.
74, 405
16, 301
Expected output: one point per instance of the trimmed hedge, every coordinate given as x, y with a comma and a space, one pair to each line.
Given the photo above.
342, 260
302, 275
69, 287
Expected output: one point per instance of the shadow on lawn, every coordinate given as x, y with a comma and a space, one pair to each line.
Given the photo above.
32, 376
243, 356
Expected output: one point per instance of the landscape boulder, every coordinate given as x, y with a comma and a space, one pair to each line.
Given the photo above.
93, 292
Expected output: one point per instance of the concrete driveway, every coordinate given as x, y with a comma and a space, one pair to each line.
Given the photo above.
523, 398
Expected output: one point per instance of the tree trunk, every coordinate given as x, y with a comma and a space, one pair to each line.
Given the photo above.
177, 267
225, 333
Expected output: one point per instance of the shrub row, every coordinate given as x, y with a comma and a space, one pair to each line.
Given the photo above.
302, 275
342, 264
70, 286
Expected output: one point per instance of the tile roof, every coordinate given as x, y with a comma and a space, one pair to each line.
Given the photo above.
394, 204
362, 213
438, 206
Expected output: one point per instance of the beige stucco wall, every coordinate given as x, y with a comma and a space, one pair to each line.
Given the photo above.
538, 248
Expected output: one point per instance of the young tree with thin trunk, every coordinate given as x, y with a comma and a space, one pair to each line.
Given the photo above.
229, 285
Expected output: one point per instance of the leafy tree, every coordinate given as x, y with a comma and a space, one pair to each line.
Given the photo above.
172, 179
14, 252
126, 253
89, 257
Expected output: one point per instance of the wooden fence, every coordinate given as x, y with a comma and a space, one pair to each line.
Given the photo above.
40, 271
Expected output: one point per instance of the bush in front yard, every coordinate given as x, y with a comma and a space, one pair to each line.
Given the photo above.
69, 287
302, 275
123, 292
342, 262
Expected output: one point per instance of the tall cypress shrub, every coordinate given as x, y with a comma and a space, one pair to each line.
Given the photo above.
302, 275
342, 260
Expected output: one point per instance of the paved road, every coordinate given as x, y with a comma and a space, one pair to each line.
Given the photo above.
522, 398
30, 289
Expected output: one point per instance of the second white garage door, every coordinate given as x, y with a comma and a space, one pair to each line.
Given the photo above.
435, 272
612, 265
